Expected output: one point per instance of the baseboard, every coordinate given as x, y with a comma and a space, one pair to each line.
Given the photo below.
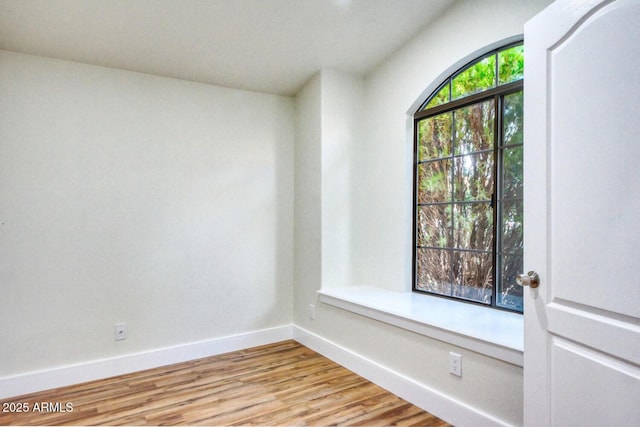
104, 368
443, 406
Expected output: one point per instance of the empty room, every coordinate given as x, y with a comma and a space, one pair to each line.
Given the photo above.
319, 212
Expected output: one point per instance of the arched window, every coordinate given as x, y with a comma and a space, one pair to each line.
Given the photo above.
468, 206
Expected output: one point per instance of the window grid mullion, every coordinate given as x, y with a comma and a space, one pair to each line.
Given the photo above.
497, 188
458, 156
461, 202
452, 177
449, 248
475, 98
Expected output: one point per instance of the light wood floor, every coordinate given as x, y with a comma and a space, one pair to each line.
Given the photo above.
277, 384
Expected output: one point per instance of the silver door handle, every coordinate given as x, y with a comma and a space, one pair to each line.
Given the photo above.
530, 279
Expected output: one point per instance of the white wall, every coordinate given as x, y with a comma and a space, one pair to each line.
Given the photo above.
327, 123
308, 195
341, 97
131, 198
379, 193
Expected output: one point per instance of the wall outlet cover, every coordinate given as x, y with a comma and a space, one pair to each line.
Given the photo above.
120, 331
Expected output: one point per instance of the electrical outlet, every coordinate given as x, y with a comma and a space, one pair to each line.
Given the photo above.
120, 331
455, 364
312, 311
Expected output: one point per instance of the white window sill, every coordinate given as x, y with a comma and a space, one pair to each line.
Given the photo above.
494, 333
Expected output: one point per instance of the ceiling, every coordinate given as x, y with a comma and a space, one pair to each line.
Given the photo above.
271, 46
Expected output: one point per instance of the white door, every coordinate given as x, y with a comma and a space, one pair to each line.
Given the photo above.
582, 214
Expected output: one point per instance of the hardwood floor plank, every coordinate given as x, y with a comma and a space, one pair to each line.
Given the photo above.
278, 384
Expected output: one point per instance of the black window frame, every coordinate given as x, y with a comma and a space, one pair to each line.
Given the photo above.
496, 94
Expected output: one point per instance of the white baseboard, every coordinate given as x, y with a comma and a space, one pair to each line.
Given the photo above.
443, 406
104, 368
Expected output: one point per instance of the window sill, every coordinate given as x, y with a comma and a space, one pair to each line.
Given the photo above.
495, 333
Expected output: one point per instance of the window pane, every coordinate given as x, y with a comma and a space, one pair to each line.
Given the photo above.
474, 128
511, 64
473, 177
434, 136
434, 225
509, 293
512, 173
434, 181
473, 226
473, 276
442, 97
512, 228
513, 118
476, 78
433, 271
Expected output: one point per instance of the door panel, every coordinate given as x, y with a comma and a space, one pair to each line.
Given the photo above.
582, 214
618, 338
582, 400
595, 203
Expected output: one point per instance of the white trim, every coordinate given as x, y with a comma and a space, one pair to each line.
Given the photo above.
494, 333
30, 382
441, 405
